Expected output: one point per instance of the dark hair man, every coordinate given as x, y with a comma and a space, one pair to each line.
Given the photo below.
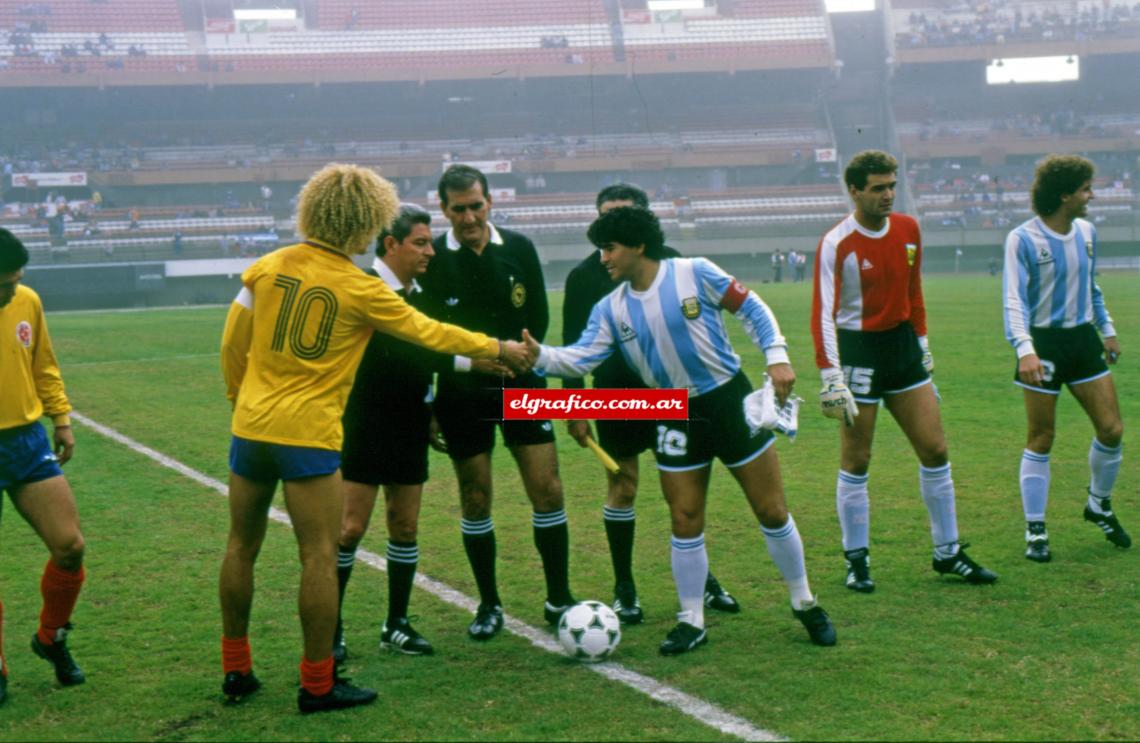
1053, 310
30, 463
586, 285
869, 325
489, 279
387, 430
684, 345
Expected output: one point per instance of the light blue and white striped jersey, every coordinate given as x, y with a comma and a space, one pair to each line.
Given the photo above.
1049, 282
672, 334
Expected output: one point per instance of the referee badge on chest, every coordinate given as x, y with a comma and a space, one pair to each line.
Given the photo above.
911, 252
691, 308
518, 294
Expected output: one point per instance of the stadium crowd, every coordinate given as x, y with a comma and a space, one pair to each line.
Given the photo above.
1001, 21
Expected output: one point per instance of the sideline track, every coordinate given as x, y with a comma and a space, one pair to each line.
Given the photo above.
693, 707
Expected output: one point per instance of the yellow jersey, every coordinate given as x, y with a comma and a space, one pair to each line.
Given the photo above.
295, 336
30, 384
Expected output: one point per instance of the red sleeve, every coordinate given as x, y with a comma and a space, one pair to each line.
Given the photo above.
917, 303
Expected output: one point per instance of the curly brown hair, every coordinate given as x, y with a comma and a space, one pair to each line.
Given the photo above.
346, 206
1058, 176
869, 162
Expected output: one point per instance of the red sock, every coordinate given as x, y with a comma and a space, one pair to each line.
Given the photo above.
60, 590
317, 678
236, 655
3, 662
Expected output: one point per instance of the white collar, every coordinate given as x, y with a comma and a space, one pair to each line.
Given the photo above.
388, 276
454, 244
864, 231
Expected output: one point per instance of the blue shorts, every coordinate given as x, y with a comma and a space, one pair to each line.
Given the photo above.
264, 462
26, 456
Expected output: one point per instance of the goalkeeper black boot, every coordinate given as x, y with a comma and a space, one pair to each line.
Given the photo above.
960, 564
718, 598
1108, 523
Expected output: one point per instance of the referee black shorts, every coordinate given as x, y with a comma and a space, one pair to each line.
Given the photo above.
623, 439
468, 414
1070, 356
389, 447
877, 363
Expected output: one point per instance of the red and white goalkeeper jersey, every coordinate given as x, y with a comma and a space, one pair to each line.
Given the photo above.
866, 281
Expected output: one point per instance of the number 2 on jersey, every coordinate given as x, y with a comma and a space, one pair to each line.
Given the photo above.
293, 317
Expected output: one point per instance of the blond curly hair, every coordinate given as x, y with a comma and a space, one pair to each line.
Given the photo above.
346, 206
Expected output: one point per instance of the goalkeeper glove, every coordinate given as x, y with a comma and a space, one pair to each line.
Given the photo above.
927, 357
835, 399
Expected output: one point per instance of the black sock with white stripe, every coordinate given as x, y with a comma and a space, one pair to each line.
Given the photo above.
620, 525
552, 539
345, 559
479, 542
402, 560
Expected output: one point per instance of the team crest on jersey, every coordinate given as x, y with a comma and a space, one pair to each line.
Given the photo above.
626, 333
1088, 248
1044, 256
518, 295
691, 308
24, 333
911, 253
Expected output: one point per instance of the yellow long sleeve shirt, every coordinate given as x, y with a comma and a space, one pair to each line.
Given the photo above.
295, 336
30, 383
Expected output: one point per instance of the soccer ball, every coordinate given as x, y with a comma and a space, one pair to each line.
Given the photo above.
589, 631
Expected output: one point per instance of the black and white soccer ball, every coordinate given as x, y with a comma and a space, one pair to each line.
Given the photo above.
589, 631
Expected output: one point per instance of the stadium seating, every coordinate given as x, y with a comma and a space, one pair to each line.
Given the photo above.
86, 17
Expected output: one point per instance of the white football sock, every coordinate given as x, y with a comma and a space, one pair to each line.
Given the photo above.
1034, 484
690, 570
854, 508
787, 551
937, 489
1104, 464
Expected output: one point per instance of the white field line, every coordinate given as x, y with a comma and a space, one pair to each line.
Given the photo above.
698, 709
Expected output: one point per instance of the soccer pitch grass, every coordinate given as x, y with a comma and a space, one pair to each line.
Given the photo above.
1049, 652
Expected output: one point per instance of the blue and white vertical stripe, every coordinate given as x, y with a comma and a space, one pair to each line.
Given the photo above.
1049, 282
673, 333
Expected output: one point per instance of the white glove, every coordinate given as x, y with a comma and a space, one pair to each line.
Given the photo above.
760, 411
835, 399
927, 357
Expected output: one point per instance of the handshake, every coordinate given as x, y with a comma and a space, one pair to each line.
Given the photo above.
517, 357
835, 399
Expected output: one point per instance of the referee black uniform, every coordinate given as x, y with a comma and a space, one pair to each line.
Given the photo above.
387, 419
498, 292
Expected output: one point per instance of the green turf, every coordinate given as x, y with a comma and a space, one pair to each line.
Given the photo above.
1049, 652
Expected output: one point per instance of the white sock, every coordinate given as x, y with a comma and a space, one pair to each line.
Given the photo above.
690, 570
937, 489
1034, 484
787, 551
1104, 464
854, 508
